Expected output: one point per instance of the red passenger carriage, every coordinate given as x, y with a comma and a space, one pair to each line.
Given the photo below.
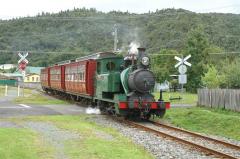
79, 77
45, 80
57, 78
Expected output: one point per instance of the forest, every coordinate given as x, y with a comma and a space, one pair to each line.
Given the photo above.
211, 38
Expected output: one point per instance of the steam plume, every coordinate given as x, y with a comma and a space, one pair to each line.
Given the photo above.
134, 47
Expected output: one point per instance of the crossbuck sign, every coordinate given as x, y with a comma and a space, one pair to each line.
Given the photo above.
23, 58
182, 61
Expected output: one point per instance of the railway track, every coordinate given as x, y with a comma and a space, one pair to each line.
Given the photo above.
209, 146
218, 148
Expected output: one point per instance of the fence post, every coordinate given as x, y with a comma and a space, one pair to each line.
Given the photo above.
18, 90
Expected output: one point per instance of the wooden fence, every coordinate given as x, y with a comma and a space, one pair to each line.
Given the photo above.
220, 98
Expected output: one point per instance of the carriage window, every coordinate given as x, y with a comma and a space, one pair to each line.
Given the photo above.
110, 66
98, 67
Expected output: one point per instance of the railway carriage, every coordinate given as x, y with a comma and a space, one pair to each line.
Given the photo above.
109, 81
57, 78
44, 78
79, 77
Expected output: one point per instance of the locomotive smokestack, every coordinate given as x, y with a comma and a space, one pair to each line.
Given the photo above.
141, 51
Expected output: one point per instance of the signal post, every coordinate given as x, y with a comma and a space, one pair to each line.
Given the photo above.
22, 64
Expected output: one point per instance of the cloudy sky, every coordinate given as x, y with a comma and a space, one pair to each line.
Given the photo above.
18, 8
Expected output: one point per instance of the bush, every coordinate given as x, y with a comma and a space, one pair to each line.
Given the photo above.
211, 78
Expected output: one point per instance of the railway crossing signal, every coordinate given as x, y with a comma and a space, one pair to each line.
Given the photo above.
182, 68
22, 63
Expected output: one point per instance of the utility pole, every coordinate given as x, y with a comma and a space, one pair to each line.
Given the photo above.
115, 37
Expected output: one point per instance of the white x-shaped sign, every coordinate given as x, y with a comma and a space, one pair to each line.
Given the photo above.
23, 57
182, 61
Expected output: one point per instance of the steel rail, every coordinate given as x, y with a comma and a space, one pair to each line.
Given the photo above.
159, 133
196, 135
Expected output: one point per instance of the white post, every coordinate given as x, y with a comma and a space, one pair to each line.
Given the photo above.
182, 83
115, 37
23, 73
6, 90
18, 90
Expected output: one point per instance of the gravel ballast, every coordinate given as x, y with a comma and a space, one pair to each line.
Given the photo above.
197, 140
161, 148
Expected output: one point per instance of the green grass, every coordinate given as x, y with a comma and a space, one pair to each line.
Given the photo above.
187, 98
16, 143
90, 144
205, 120
2, 90
37, 98
32, 97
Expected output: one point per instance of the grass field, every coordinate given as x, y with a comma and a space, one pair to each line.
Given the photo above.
23, 143
187, 98
18, 143
31, 97
2, 90
205, 120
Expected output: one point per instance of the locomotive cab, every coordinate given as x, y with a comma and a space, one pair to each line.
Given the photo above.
108, 77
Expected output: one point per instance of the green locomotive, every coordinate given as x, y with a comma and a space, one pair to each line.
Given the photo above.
124, 86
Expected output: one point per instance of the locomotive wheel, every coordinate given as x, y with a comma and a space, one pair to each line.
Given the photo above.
161, 113
147, 116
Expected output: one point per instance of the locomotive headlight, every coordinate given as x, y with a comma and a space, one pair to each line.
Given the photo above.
145, 61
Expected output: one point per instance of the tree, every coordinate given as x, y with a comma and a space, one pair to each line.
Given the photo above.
211, 78
91, 32
163, 64
233, 74
197, 43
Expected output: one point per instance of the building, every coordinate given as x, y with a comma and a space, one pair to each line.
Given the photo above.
7, 79
32, 78
7, 66
15, 75
32, 74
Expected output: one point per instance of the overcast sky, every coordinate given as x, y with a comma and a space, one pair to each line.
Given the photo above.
18, 8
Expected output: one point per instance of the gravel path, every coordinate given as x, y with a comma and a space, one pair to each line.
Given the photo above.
161, 148
53, 135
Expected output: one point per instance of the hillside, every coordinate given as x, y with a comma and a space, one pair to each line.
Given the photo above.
83, 31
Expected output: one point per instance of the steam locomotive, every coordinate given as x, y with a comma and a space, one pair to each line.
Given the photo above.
115, 84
